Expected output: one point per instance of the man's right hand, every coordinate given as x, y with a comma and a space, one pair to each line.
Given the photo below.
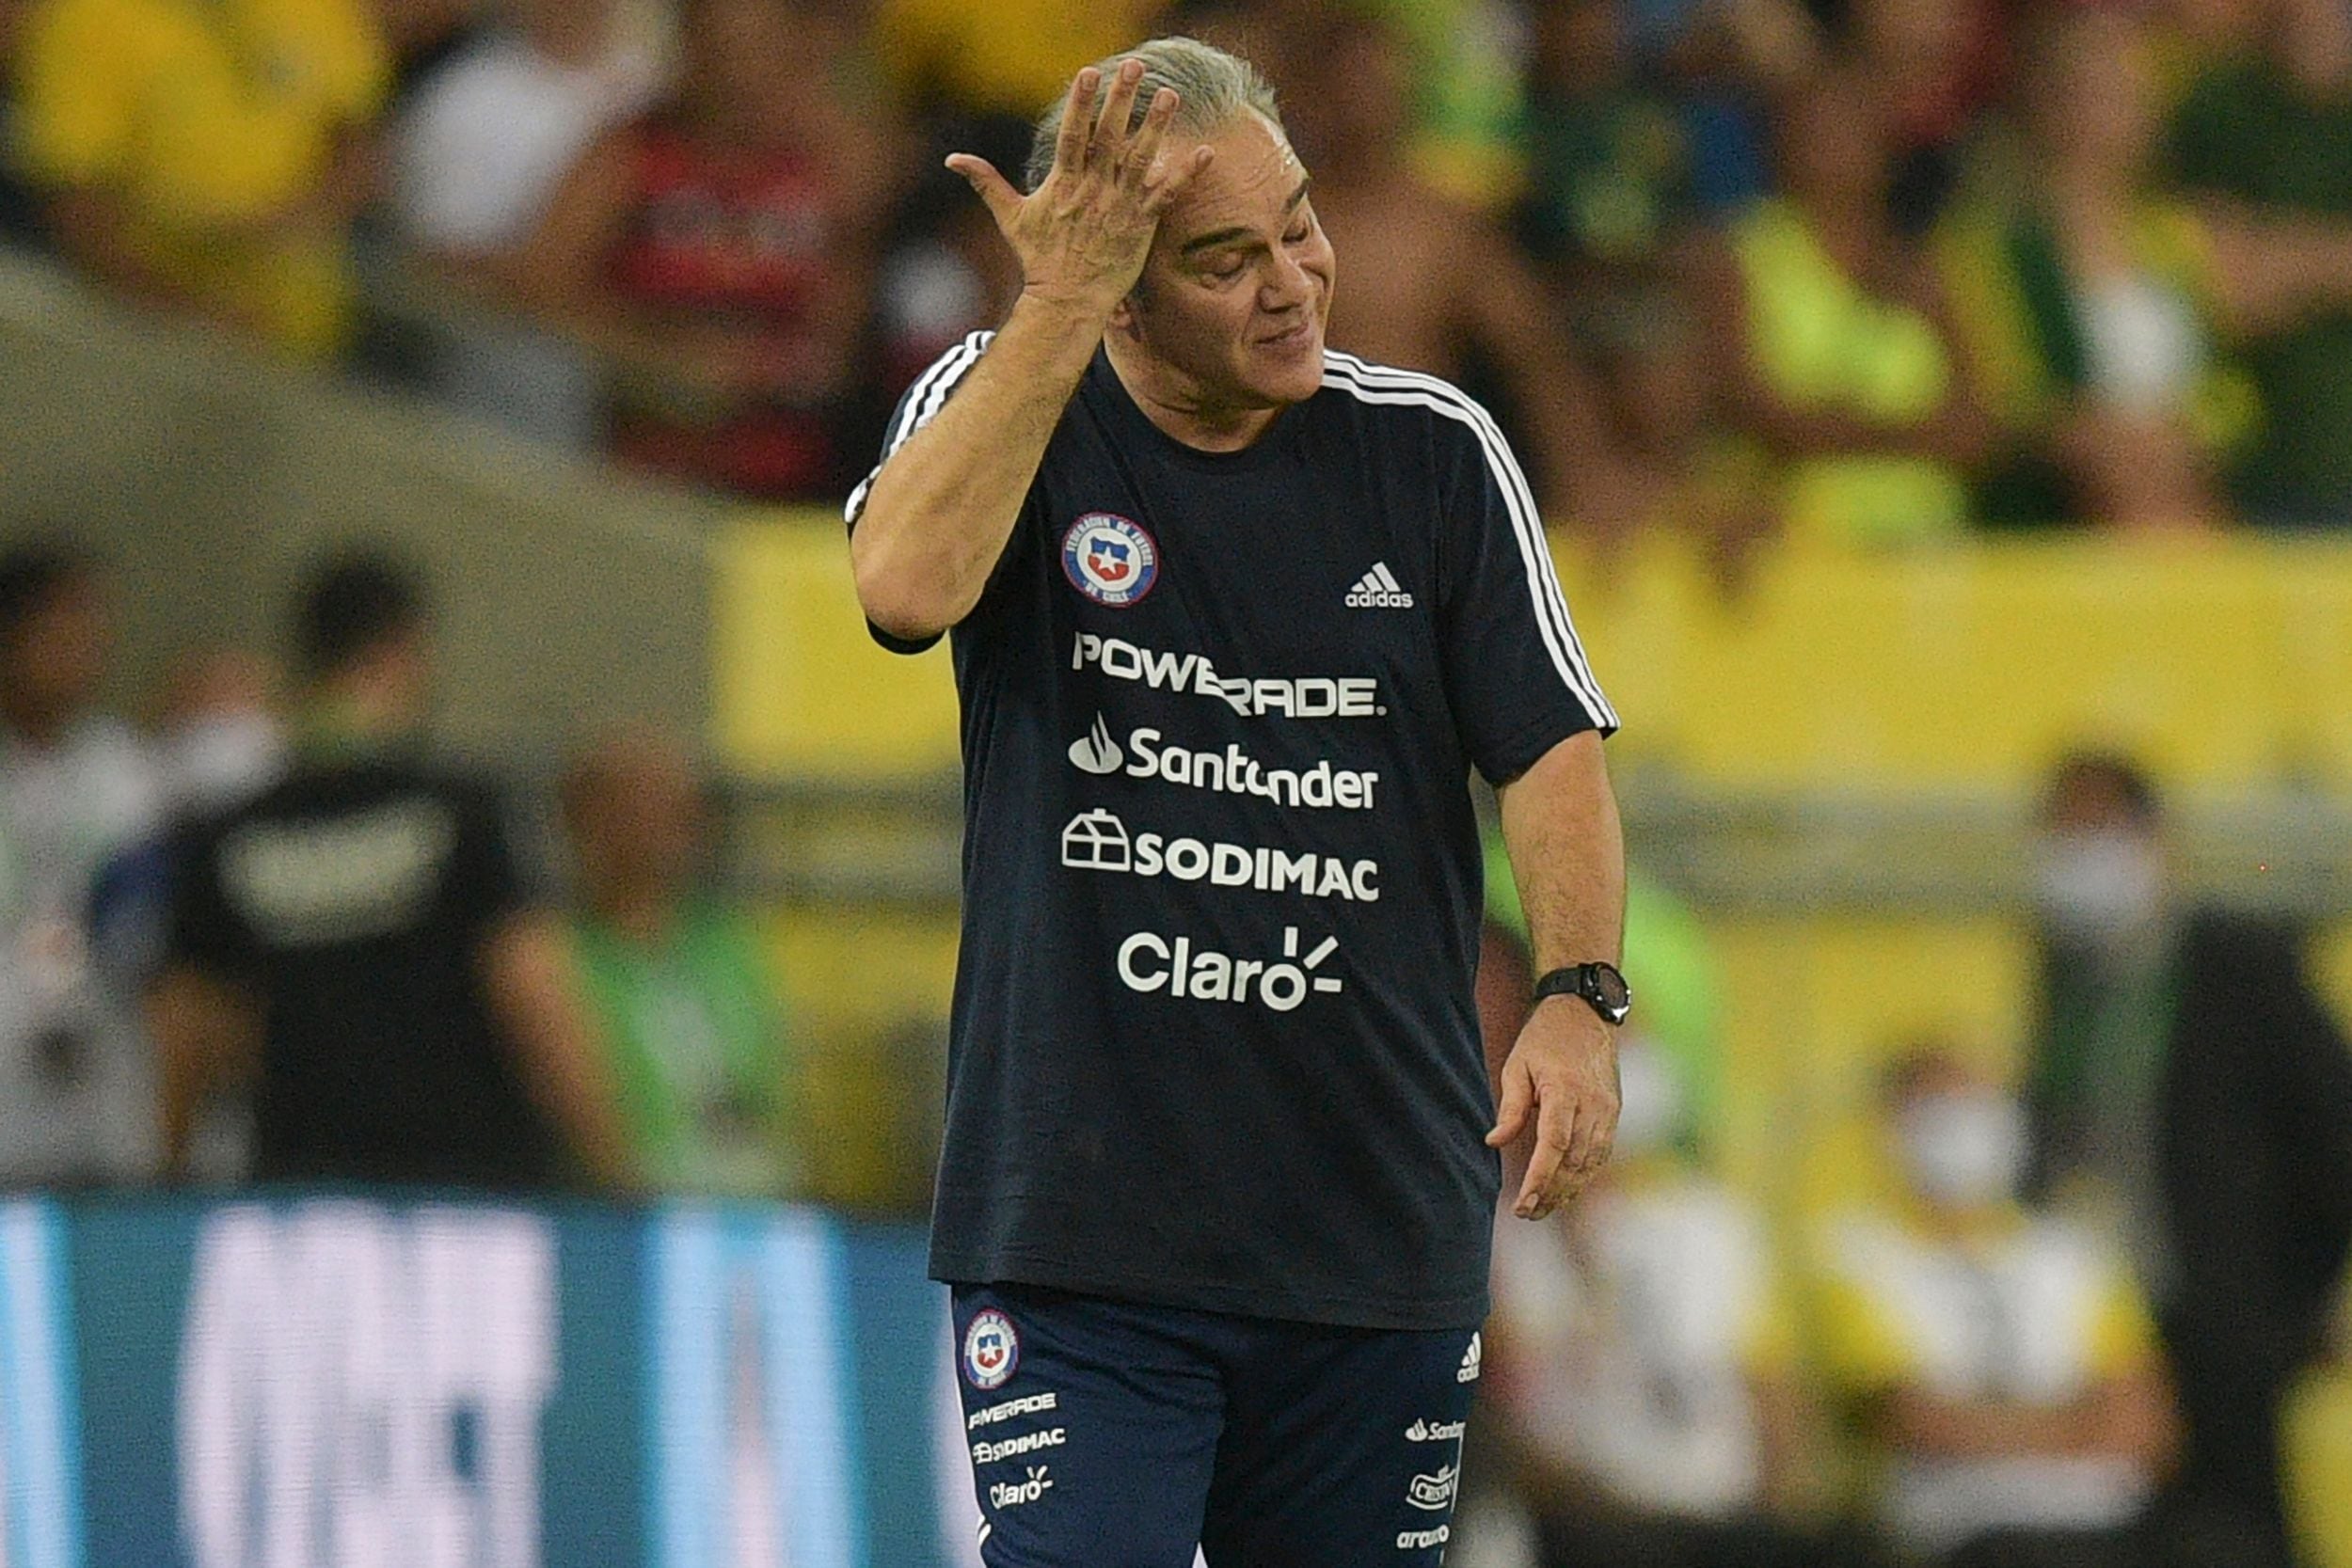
1083, 234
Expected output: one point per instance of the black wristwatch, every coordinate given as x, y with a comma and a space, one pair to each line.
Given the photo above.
1598, 984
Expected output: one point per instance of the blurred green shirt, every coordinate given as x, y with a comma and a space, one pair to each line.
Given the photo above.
696, 1031
1672, 968
2244, 130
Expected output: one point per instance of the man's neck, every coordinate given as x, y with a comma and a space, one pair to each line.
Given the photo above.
1179, 408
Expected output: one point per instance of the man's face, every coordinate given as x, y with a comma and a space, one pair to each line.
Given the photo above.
638, 821
2099, 876
60, 651
1235, 294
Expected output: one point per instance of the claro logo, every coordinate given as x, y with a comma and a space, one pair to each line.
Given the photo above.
1151, 962
1294, 697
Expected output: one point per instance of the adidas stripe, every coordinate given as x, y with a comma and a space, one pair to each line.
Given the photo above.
928, 396
1383, 384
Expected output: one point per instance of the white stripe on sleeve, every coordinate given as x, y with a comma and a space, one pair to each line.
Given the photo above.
923, 400
1382, 384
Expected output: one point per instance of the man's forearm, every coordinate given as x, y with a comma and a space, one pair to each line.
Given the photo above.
1568, 855
942, 506
202, 1036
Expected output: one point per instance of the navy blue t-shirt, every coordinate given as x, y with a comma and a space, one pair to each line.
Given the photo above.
1214, 1044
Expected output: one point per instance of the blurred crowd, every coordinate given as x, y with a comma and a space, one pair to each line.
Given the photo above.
1862, 271
264, 936
2061, 1329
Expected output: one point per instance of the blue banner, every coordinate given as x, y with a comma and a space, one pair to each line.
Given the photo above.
322, 1381
40, 1480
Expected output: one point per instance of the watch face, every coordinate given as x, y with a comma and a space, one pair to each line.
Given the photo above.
1609, 989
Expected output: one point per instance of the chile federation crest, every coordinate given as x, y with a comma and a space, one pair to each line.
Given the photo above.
1110, 559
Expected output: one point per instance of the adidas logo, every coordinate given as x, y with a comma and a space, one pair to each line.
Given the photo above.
1378, 590
1470, 1363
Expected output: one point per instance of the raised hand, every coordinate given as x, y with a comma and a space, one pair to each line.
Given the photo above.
1083, 234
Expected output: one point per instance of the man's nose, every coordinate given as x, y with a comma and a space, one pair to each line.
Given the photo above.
1287, 286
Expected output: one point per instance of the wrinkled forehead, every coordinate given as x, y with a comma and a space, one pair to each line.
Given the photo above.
1251, 184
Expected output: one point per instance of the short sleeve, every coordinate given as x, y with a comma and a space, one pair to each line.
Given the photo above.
1514, 672
487, 880
918, 407
201, 929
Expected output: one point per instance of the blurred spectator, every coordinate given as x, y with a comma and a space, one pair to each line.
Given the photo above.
680, 983
1686, 470
477, 158
721, 253
79, 801
1937, 65
948, 273
219, 739
1009, 56
208, 157
2003, 1365
1610, 177
357, 941
2088, 302
1671, 965
20, 201
1726, 63
1641, 1360
422, 36
2192, 1088
1432, 284
2271, 126
1830, 334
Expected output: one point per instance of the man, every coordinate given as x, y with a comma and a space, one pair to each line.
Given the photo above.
681, 984
2191, 1088
208, 159
2264, 127
357, 938
1438, 283
1644, 1359
2002, 1361
1233, 617
81, 806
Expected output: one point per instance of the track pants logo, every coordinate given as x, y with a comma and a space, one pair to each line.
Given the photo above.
1012, 1494
1434, 1491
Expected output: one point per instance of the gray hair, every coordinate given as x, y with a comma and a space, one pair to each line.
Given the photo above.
1213, 89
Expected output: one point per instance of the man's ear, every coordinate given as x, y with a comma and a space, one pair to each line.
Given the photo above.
1122, 320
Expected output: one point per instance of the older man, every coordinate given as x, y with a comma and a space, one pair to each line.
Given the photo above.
1233, 618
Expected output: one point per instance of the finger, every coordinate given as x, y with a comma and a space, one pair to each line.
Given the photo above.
1145, 153
994, 191
1169, 186
1119, 106
1587, 1133
1511, 1115
1541, 1192
1077, 121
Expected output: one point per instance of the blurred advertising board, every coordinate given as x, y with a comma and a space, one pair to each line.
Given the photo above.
40, 1505
318, 1380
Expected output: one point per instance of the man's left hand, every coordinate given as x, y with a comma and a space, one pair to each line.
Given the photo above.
1562, 1076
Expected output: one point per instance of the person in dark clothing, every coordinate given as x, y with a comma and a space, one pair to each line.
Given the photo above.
358, 940
2191, 1086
